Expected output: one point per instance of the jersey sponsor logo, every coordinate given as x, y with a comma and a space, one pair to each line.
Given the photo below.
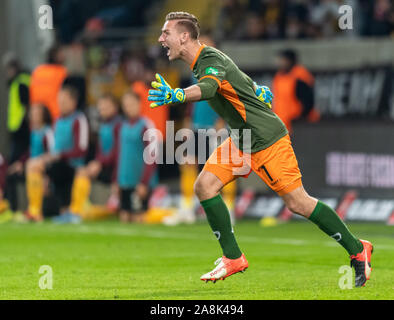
211, 70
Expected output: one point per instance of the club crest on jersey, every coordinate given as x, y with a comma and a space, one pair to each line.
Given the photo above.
211, 70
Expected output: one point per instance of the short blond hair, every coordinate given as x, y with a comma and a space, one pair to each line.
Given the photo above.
186, 20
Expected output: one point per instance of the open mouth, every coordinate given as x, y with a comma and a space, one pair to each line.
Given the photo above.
167, 48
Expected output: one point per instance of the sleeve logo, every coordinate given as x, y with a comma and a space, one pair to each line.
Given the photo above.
211, 70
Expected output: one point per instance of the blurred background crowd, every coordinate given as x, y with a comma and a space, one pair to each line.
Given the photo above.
110, 48
233, 19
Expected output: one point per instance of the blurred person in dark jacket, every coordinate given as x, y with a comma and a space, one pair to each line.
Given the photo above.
18, 83
378, 17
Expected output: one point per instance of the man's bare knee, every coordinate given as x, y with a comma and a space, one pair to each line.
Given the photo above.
207, 186
201, 188
295, 206
299, 202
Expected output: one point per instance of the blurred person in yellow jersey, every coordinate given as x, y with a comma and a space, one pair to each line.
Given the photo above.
102, 167
268, 152
136, 175
71, 139
41, 141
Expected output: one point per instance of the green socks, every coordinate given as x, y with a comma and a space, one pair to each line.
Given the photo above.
329, 222
219, 219
323, 216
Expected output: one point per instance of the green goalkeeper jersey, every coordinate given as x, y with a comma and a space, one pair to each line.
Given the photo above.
230, 92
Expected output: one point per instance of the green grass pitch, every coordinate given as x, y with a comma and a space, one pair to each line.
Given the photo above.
107, 260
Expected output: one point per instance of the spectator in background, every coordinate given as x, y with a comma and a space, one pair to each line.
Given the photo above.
122, 13
296, 18
130, 68
71, 139
229, 23
254, 28
379, 17
136, 73
71, 16
41, 141
295, 28
103, 166
324, 18
47, 80
135, 176
293, 87
18, 83
273, 17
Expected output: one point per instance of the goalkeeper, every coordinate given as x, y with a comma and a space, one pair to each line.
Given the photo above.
233, 95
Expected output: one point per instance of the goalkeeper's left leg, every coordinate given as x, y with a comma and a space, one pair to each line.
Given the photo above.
329, 222
298, 201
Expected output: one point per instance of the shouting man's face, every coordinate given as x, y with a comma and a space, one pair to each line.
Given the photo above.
172, 38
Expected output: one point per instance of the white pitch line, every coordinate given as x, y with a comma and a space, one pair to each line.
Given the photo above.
192, 236
167, 235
